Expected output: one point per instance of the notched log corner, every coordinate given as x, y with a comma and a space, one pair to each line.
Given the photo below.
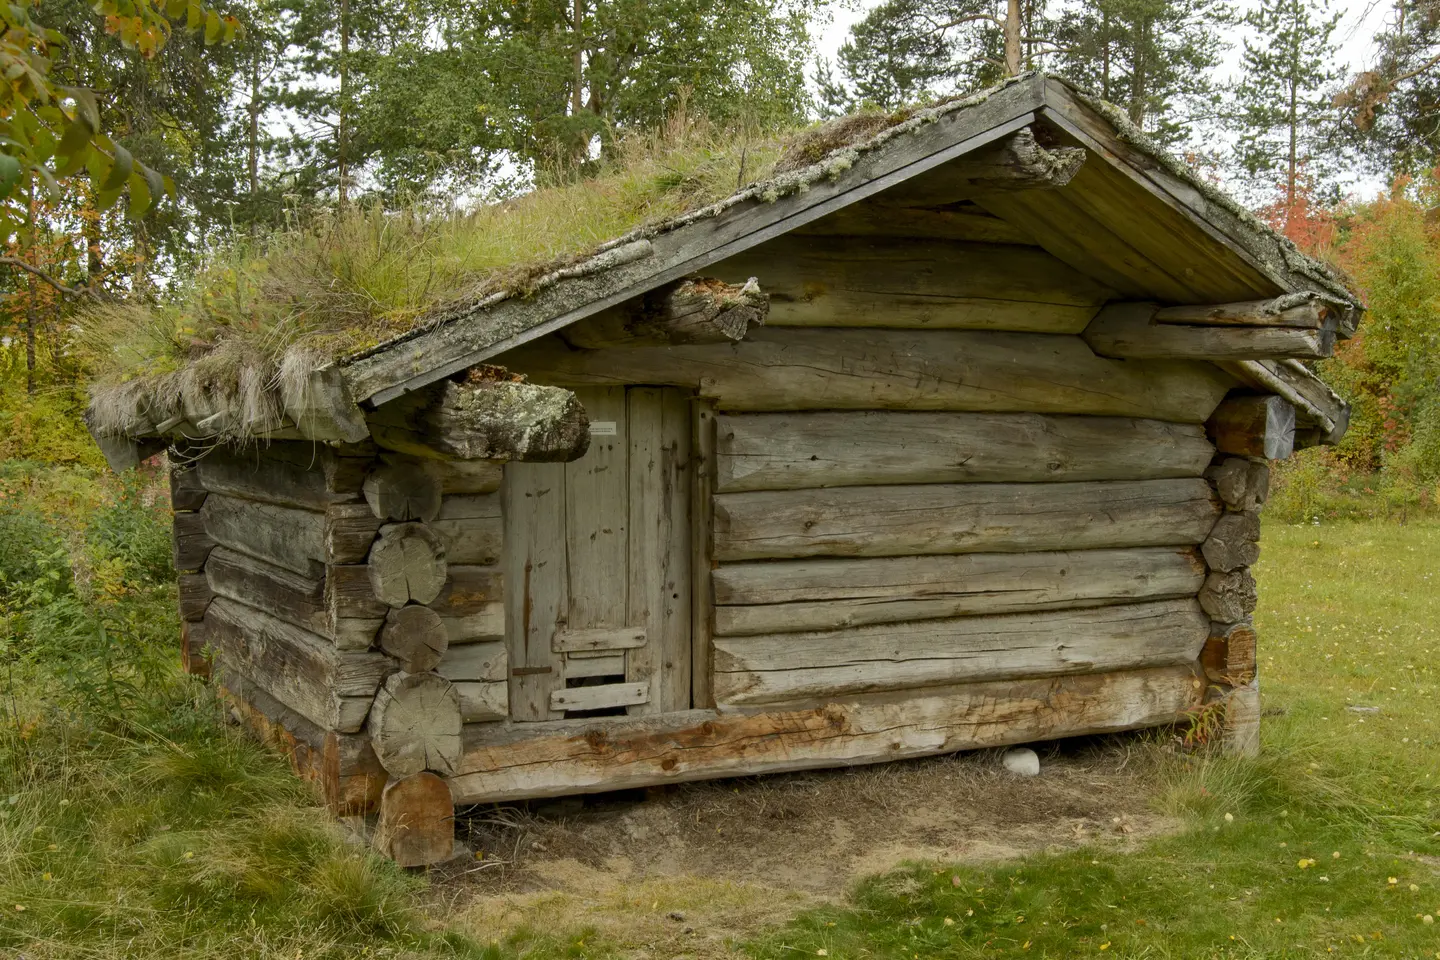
489, 420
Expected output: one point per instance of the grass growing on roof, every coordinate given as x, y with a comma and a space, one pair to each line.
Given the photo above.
347, 281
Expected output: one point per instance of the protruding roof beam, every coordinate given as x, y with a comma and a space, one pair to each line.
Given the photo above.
693, 310
1135, 331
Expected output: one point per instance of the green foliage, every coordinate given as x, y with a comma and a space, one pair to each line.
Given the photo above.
1284, 98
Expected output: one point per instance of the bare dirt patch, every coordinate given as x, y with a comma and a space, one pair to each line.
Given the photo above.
687, 870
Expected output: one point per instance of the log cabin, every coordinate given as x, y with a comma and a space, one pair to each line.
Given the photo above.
950, 434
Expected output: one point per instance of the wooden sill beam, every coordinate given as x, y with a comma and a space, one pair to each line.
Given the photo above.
1134, 331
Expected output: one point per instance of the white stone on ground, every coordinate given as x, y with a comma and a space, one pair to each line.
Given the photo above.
1022, 761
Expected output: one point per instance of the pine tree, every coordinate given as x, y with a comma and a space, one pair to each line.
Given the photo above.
1153, 58
1393, 105
1284, 98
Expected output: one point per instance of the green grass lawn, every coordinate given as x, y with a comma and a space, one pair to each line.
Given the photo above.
1324, 846
152, 831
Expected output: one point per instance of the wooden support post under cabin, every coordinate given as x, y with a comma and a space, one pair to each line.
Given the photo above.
489, 420
415, 636
415, 724
407, 564
1243, 483
194, 649
404, 490
694, 310
416, 827
1254, 427
1229, 653
1242, 720
1133, 331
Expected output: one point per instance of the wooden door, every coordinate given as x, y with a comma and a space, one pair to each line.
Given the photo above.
597, 564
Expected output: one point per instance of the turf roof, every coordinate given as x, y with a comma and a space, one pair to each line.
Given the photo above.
349, 285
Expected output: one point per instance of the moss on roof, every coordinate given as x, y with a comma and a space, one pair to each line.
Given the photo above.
265, 312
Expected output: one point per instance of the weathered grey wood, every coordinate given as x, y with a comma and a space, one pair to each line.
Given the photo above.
124, 453
403, 490
801, 666
1018, 162
694, 310
353, 614
483, 702
1128, 330
1308, 312
601, 696
472, 604
597, 638
462, 477
705, 446
877, 217
191, 543
473, 540
659, 547
282, 593
470, 507
1229, 653
415, 637
597, 519
962, 518
350, 530
186, 491
492, 420
284, 536
1242, 720
1254, 427
1229, 597
1242, 483
304, 671
607, 665
535, 569
476, 663
779, 596
586, 756
321, 404
799, 369
1234, 542
342, 765
270, 476
416, 827
463, 336
195, 595
407, 564
1323, 414
827, 449
1224, 231
415, 723
880, 282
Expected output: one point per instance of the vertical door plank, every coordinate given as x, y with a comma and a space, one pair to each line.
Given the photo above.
597, 492
702, 554
536, 593
660, 546
673, 637
642, 664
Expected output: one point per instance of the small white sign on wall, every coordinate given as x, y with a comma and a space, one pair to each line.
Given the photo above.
602, 428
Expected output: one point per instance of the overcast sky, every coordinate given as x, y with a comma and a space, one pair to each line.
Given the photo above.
1360, 19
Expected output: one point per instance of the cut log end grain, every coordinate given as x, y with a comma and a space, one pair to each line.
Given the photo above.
1228, 597
1249, 426
415, 724
1229, 653
415, 636
404, 490
1233, 542
417, 821
407, 564
1242, 483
